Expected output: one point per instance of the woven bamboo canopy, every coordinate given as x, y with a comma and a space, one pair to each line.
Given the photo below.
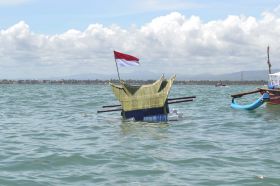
145, 96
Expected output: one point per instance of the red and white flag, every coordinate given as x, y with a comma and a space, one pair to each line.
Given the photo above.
125, 60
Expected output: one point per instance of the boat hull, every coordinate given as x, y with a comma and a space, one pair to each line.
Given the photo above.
149, 115
274, 99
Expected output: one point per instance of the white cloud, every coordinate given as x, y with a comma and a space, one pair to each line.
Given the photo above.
172, 43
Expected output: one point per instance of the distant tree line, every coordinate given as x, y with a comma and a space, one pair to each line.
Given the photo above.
136, 82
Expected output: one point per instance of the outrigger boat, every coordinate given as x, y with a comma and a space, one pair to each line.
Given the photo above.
145, 102
148, 103
269, 94
273, 88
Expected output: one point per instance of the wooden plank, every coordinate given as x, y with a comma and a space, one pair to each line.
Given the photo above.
245, 93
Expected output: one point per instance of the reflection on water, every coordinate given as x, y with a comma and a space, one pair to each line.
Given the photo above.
58, 125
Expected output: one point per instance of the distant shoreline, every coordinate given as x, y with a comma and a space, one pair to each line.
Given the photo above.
137, 82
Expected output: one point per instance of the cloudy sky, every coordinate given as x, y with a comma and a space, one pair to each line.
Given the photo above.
57, 38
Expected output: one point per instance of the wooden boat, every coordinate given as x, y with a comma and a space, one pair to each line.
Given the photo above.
269, 94
273, 88
146, 102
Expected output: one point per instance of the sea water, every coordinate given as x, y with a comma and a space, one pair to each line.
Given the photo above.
52, 135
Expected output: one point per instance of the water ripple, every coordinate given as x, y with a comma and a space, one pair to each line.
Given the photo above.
51, 135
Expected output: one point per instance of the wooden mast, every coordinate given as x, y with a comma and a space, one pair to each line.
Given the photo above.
268, 61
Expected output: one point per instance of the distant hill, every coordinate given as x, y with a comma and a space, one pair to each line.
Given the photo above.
236, 76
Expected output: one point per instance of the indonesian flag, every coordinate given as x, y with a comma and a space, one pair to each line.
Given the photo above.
125, 60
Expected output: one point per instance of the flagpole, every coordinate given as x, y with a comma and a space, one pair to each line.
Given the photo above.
118, 70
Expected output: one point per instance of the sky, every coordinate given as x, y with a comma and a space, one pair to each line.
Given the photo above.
46, 39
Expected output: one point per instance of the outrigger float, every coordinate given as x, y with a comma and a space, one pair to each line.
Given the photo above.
269, 94
264, 98
148, 103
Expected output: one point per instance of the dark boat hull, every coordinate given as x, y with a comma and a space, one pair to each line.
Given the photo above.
149, 115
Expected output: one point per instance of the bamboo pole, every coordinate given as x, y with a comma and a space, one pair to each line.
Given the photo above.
100, 111
169, 99
245, 93
119, 109
180, 101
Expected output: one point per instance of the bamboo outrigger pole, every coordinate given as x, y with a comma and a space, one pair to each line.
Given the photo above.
100, 111
180, 101
120, 109
169, 99
239, 95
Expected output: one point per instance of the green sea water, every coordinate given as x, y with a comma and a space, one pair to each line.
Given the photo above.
51, 135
